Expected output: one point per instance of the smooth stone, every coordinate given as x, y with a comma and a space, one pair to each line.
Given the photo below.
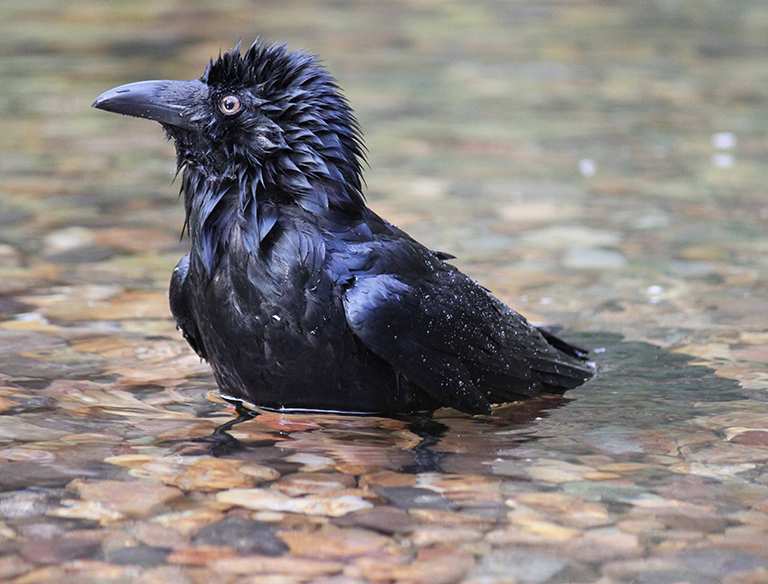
557, 471
629, 569
141, 555
442, 569
204, 473
131, 498
314, 483
25, 504
189, 522
244, 535
569, 510
247, 565
199, 555
387, 478
12, 566
338, 579
694, 521
674, 577
58, 550
43, 528
21, 475
271, 500
19, 430
428, 536
165, 575
523, 567
88, 510
154, 535
333, 542
388, 520
603, 544
719, 562
414, 498
481, 517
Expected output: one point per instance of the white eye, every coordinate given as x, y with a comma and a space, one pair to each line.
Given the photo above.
229, 105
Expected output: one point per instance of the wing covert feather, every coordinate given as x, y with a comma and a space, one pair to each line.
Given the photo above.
452, 338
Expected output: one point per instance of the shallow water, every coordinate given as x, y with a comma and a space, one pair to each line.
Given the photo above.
598, 166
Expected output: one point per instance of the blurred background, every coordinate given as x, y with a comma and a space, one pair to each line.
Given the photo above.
599, 165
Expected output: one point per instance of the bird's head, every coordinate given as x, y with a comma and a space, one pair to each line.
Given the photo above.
266, 117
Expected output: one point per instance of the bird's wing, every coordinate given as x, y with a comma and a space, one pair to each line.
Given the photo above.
181, 309
452, 338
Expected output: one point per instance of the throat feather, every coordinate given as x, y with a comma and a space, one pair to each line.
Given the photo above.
219, 209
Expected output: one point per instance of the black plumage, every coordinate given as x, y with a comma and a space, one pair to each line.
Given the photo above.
297, 294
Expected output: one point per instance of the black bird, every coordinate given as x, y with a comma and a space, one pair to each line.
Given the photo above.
298, 295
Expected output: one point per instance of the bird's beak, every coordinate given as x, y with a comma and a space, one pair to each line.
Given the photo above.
167, 102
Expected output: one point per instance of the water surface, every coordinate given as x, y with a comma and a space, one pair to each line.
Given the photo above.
598, 166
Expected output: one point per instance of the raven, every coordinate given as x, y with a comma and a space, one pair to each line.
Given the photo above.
298, 295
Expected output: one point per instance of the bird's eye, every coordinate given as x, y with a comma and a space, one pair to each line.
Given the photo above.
229, 105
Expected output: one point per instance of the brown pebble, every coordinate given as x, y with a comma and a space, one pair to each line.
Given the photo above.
131, 498
266, 565
58, 550
199, 555
12, 566
314, 483
387, 520
333, 542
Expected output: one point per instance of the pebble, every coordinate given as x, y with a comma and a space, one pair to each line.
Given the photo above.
603, 544
17, 429
139, 555
443, 566
244, 535
413, 498
311, 462
388, 520
204, 473
428, 536
155, 535
315, 483
482, 517
387, 478
640, 525
299, 567
568, 509
12, 566
165, 575
334, 542
528, 528
131, 498
58, 550
199, 555
630, 569
25, 504
21, 475
189, 522
88, 510
464, 490
271, 500
557, 471
521, 567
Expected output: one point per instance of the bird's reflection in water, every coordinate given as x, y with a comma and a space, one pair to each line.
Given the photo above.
405, 444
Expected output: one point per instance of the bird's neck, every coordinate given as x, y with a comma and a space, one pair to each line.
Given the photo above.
246, 202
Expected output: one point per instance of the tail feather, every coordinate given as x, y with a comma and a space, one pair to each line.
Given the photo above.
561, 345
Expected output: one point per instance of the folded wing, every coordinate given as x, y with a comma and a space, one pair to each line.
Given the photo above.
452, 338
